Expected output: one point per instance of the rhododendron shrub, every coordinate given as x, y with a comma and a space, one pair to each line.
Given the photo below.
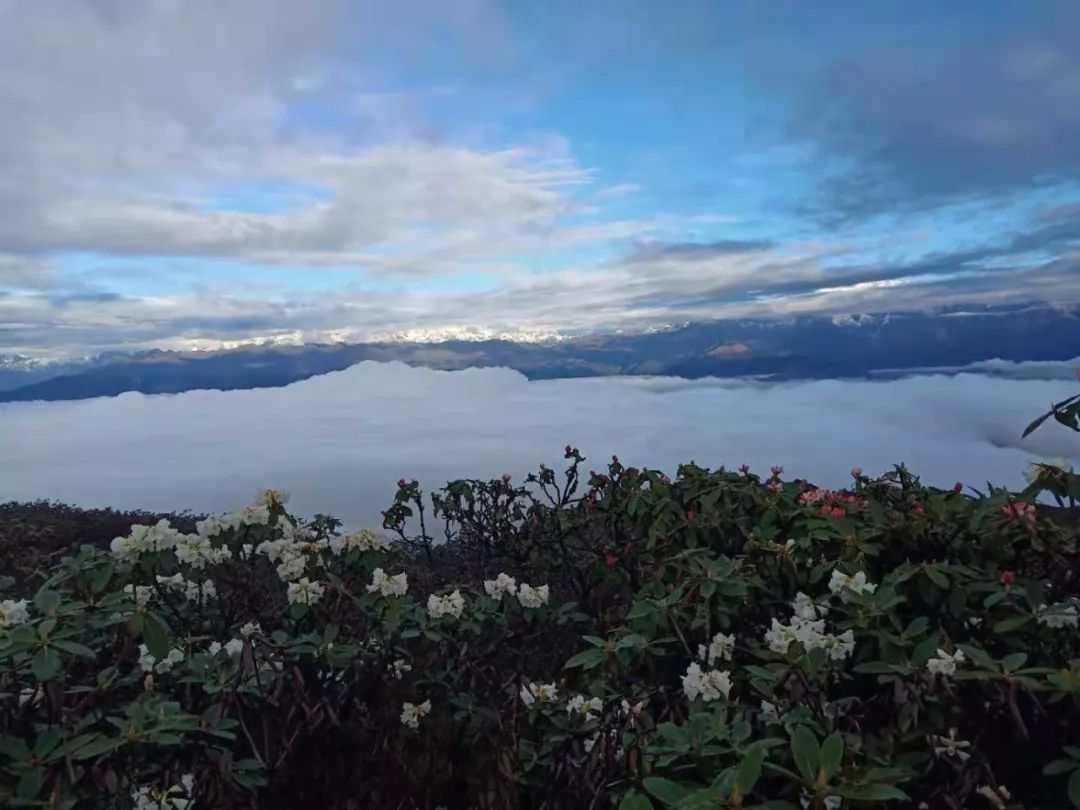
616, 638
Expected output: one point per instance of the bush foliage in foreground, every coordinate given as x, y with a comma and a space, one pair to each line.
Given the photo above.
609, 640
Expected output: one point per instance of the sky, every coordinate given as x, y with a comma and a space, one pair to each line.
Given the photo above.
338, 442
195, 173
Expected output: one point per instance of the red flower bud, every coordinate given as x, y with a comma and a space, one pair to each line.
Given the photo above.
690, 515
611, 559
401, 483
569, 450
958, 487
665, 480
506, 478
744, 468
1008, 577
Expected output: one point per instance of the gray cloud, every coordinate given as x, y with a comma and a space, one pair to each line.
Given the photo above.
338, 442
936, 119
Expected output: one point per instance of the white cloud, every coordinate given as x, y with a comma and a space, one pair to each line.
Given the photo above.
338, 442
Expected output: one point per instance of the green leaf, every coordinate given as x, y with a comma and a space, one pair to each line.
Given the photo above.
670, 793
1059, 766
47, 740
1011, 623
832, 753
96, 747
45, 664
14, 747
1074, 788
30, 783
47, 601
805, 750
1014, 661
640, 610
750, 770
937, 577
871, 792
635, 801
586, 659
155, 632
75, 648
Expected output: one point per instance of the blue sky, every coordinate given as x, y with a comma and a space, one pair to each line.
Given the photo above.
193, 174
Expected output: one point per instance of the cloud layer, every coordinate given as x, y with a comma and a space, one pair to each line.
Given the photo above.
338, 442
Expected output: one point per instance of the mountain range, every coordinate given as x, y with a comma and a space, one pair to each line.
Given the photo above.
806, 347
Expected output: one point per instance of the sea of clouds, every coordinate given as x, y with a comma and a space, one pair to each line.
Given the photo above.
338, 442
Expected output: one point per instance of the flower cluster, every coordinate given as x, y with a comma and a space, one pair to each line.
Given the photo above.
177, 797
500, 586
395, 585
539, 693
232, 647
1057, 616
1019, 512
950, 746
942, 663
145, 539
449, 605
412, 713
304, 592
13, 612
831, 503
191, 590
584, 707
531, 597
148, 662
808, 630
844, 585
720, 649
364, 540
709, 686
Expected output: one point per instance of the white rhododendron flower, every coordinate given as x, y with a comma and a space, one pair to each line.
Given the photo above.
144, 539
531, 597
841, 646
539, 693
709, 686
142, 594
396, 585
811, 634
412, 713
841, 583
146, 797
13, 612
200, 592
584, 707
805, 608
450, 605
996, 797
500, 586
271, 498
147, 662
400, 667
364, 539
214, 648
304, 592
950, 746
944, 664
1057, 616
720, 648
234, 646
769, 712
831, 802
250, 629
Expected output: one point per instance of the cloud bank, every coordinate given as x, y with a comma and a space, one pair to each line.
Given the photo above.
339, 442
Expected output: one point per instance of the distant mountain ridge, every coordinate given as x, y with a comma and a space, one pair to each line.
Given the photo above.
804, 347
